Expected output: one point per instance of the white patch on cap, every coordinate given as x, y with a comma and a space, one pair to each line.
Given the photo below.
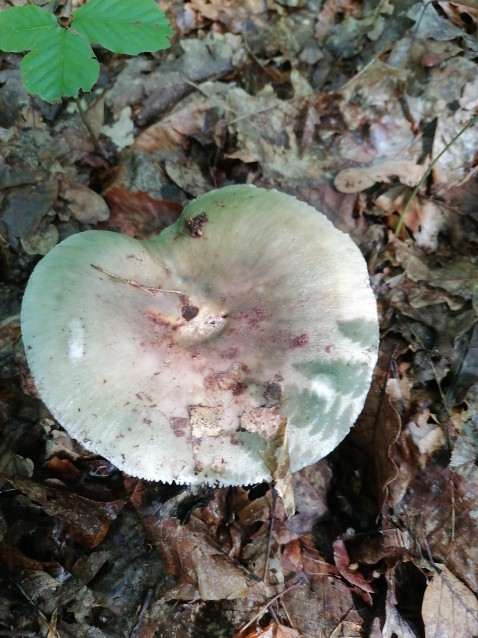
324, 389
76, 340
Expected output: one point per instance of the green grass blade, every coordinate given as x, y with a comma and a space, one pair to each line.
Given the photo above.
124, 26
427, 173
60, 65
22, 27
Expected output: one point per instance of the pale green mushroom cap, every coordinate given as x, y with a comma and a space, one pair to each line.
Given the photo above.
286, 327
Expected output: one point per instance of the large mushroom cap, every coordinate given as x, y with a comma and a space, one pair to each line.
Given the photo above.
177, 358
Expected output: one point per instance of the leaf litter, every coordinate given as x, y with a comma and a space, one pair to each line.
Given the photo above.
343, 104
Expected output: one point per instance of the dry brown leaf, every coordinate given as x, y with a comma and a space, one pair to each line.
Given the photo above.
355, 180
286, 632
455, 166
235, 15
87, 206
274, 631
450, 609
276, 456
396, 626
456, 274
349, 570
472, 4
311, 485
378, 428
200, 564
64, 468
137, 213
25, 206
437, 507
425, 218
250, 511
326, 607
188, 176
42, 240
168, 135
14, 559
87, 521
325, 604
456, 10
9, 331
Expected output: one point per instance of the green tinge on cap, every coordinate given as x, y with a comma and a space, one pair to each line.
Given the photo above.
177, 358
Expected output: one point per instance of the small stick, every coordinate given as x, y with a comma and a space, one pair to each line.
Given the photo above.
271, 529
136, 284
264, 609
84, 119
144, 608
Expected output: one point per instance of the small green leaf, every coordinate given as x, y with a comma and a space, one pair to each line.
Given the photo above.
124, 26
59, 65
22, 27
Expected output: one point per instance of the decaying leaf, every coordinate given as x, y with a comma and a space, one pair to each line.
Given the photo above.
349, 570
277, 459
273, 631
395, 625
377, 430
88, 521
354, 180
86, 205
450, 609
425, 218
203, 569
284, 94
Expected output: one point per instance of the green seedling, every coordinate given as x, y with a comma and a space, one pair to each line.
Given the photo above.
61, 60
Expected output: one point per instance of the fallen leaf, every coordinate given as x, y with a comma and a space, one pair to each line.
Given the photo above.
276, 456
87, 521
395, 625
273, 630
456, 274
42, 240
137, 213
425, 218
378, 427
349, 570
64, 468
201, 566
121, 132
87, 206
311, 485
450, 609
325, 606
34, 200
455, 166
354, 180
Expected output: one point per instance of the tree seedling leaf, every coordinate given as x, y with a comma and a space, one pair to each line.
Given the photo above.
60, 64
22, 27
61, 61
124, 27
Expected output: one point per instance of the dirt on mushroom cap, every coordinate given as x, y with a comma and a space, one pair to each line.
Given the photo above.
176, 358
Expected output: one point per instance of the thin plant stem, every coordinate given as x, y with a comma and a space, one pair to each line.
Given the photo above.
428, 171
136, 284
84, 119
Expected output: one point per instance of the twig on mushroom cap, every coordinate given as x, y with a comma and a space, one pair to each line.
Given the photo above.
136, 284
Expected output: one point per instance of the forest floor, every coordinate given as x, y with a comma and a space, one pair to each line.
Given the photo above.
342, 104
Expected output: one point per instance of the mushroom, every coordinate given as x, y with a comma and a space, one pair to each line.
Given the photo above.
178, 358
